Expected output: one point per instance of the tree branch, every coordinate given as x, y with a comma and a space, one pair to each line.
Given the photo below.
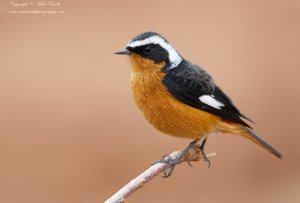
138, 182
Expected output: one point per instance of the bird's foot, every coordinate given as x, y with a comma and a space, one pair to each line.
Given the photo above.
205, 158
201, 147
171, 163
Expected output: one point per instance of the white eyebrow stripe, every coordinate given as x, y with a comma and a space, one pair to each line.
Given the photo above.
211, 101
174, 57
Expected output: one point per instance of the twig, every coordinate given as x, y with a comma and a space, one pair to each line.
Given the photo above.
138, 182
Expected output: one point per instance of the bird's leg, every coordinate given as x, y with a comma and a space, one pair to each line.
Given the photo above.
172, 162
201, 147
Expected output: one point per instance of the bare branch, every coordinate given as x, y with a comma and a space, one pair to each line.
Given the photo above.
138, 182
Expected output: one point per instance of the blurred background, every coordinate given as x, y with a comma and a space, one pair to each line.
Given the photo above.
70, 131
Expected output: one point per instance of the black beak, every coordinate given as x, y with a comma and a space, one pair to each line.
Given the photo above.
123, 52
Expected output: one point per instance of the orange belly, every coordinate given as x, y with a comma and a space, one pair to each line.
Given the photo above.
165, 112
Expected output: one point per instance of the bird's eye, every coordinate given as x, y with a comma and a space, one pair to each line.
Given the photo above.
147, 50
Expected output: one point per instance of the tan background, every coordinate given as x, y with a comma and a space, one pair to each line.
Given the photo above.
70, 132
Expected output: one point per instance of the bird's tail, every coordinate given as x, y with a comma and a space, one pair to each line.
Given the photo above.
254, 138
246, 132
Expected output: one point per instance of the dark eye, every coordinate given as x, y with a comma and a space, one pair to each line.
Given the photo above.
147, 50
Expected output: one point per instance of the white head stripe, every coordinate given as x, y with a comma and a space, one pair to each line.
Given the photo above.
174, 57
211, 101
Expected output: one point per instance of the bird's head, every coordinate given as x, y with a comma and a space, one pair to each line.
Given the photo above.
150, 49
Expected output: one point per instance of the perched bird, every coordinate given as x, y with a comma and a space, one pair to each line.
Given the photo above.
180, 98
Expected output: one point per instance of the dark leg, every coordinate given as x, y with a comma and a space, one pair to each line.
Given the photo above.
172, 162
202, 151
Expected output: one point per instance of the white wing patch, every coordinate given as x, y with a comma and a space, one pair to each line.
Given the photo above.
174, 57
211, 101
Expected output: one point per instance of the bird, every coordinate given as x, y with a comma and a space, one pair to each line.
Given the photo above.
180, 98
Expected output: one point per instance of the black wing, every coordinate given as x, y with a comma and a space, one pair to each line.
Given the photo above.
188, 83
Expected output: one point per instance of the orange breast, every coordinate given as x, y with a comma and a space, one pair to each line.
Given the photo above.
161, 109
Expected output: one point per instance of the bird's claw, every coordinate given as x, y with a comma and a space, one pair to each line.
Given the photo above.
161, 160
171, 163
201, 147
189, 163
205, 158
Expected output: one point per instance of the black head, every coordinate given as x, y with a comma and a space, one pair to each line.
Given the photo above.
153, 46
